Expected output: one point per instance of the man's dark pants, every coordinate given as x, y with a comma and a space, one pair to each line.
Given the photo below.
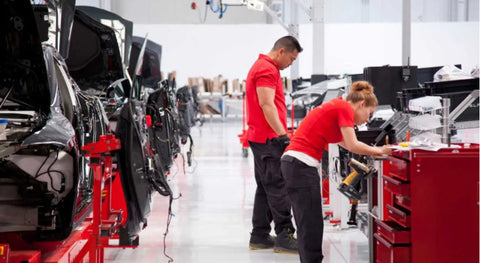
271, 200
303, 187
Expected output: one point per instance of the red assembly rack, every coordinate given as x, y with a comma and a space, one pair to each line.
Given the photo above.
88, 241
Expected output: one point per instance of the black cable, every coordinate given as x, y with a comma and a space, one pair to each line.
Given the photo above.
54, 161
41, 165
169, 219
190, 151
51, 179
155, 180
194, 167
183, 162
48, 171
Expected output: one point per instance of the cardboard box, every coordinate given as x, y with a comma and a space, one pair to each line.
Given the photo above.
193, 81
220, 84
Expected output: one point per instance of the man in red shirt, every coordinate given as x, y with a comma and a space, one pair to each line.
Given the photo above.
267, 135
331, 122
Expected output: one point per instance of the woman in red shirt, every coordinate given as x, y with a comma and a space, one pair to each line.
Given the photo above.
331, 122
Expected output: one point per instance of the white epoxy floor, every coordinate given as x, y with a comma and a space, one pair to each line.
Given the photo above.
212, 218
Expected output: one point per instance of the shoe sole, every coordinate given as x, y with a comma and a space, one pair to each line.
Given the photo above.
282, 251
257, 247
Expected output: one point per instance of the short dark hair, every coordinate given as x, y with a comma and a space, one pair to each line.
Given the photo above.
289, 43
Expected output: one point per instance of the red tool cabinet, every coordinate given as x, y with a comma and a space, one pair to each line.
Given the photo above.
432, 212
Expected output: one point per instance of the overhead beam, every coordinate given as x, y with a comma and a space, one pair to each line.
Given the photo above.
318, 20
406, 31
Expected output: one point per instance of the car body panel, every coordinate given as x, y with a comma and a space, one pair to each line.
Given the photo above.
21, 57
95, 60
45, 192
151, 66
123, 28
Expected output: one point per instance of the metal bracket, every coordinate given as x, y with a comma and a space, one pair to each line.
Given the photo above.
107, 143
272, 14
464, 105
306, 9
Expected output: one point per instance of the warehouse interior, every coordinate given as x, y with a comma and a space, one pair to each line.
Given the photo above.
127, 130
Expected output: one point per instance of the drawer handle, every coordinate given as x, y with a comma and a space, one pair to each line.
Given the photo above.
391, 180
387, 227
396, 211
383, 241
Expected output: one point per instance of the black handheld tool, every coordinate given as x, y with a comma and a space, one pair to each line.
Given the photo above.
348, 186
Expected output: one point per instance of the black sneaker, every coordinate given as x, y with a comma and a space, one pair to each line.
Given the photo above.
286, 243
261, 242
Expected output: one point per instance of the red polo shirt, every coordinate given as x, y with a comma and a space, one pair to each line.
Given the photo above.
263, 73
321, 126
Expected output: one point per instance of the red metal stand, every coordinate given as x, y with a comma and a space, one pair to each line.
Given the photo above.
90, 239
292, 127
243, 135
106, 221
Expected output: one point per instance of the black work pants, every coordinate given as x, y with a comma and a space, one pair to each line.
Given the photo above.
303, 187
271, 200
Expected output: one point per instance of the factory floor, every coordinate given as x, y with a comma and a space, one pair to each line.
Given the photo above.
212, 217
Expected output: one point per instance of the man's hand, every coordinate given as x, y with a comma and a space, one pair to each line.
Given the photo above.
283, 141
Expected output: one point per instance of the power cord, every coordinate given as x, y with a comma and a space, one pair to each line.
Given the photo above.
49, 171
169, 220
194, 167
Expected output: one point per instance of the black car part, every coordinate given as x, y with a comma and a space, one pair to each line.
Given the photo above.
134, 168
44, 190
151, 68
164, 130
95, 60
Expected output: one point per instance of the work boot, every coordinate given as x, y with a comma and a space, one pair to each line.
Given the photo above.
261, 241
285, 242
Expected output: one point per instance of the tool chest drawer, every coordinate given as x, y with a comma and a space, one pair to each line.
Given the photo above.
403, 201
393, 232
398, 168
400, 216
388, 253
396, 186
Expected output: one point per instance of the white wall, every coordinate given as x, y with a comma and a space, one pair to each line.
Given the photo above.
180, 12
336, 11
209, 50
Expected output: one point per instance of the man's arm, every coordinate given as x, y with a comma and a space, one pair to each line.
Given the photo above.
266, 97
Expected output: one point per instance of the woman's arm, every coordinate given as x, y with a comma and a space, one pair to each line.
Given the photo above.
351, 143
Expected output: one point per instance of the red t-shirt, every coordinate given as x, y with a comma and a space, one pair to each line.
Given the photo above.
263, 73
321, 126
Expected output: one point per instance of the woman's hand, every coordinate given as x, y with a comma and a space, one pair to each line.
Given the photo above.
385, 149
